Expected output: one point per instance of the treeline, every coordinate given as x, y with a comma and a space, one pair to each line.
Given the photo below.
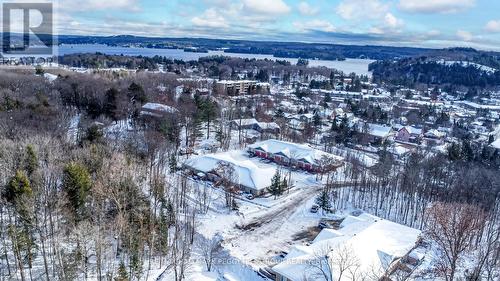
410, 72
99, 60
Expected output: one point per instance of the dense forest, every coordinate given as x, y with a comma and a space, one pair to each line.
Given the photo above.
411, 71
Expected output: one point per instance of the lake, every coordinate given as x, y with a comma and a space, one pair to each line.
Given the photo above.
358, 66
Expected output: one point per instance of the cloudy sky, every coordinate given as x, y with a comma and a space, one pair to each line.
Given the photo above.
426, 23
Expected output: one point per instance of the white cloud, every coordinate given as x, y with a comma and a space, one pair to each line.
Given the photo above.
307, 10
392, 22
435, 6
315, 25
96, 5
274, 7
210, 19
464, 35
362, 9
493, 26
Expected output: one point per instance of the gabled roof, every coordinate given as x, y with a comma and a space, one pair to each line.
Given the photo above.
247, 173
380, 131
158, 107
294, 151
246, 122
374, 242
412, 130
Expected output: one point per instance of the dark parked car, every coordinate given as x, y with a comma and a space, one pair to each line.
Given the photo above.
314, 209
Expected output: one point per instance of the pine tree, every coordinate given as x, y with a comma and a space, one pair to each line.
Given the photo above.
31, 160
172, 163
323, 201
122, 273
317, 121
279, 114
18, 186
276, 186
77, 184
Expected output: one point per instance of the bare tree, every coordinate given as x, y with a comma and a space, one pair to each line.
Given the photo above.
335, 264
209, 249
453, 226
228, 180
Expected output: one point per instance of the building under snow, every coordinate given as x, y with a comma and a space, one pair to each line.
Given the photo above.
157, 110
247, 176
374, 249
296, 155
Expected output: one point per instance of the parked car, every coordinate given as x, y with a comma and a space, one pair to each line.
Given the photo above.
324, 224
249, 196
314, 208
283, 254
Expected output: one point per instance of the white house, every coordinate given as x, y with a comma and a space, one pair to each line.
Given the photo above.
247, 176
157, 110
378, 247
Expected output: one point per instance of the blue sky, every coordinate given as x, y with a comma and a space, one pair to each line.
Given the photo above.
425, 23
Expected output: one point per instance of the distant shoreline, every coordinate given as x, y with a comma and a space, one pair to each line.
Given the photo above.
358, 66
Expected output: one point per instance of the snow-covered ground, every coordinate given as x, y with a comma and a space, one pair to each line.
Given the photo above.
484, 68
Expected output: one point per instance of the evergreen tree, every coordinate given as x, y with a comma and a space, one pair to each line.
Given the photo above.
276, 185
111, 103
18, 186
136, 93
172, 163
279, 114
122, 273
327, 100
317, 121
323, 201
39, 70
76, 184
92, 135
31, 160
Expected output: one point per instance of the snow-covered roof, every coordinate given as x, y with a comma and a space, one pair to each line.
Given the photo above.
50, 77
375, 243
150, 107
253, 121
248, 174
433, 133
232, 82
380, 131
294, 151
412, 130
496, 144
246, 122
479, 106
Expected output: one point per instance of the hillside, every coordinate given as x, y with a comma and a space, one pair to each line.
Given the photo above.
460, 67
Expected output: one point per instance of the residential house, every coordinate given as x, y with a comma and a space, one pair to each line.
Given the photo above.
381, 248
376, 133
253, 124
247, 176
157, 110
409, 134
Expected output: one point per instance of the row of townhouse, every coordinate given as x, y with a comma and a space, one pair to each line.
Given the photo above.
296, 155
